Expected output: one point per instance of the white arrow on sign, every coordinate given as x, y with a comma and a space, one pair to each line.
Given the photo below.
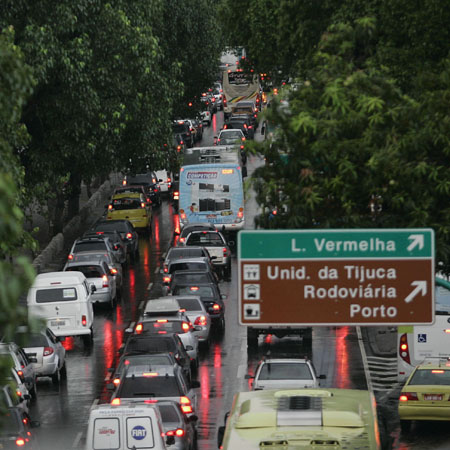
419, 286
417, 240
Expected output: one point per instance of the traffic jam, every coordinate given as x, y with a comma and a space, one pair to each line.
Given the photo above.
156, 336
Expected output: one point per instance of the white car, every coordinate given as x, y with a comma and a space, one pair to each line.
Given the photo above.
206, 117
164, 180
231, 136
49, 353
283, 373
199, 317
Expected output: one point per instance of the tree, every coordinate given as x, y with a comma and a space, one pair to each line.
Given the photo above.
15, 86
361, 153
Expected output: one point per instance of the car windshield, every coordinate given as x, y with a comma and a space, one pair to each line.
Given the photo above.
126, 203
205, 239
189, 304
204, 292
37, 340
87, 271
149, 386
56, 295
187, 266
87, 246
163, 325
439, 377
285, 371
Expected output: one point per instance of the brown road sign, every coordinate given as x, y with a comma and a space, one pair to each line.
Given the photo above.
338, 290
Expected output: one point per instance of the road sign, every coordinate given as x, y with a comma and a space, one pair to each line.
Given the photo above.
339, 277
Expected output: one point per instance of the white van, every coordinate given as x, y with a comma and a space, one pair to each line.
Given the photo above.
63, 299
128, 426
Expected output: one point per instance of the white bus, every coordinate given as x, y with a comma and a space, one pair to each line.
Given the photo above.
416, 343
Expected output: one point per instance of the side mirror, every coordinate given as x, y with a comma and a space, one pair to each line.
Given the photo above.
220, 434
129, 330
195, 384
231, 243
212, 257
25, 397
322, 377
113, 274
193, 418
223, 296
170, 440
93, 288
249, 377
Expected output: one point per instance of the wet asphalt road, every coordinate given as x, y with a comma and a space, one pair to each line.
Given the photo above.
64, 410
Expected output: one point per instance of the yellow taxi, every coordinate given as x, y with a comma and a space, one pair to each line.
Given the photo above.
426, 393
133, 207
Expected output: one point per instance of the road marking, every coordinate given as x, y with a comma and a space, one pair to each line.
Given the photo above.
141, 305
77, 440
364, 359
156, 270
149, 286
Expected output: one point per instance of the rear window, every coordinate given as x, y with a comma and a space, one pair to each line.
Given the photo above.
56, 295
119, 204
88, 271
155, 360
187, 266
179, 128
171, 326
88, 246
206, 239
177, 253
189, 304
438, 377
202, 291
191, 278
121, 227
285, 371
37, 340
169, 413
151, 345
150, 386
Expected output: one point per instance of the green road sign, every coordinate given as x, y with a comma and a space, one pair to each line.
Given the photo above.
364, 276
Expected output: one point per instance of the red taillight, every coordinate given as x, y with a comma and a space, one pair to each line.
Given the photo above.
186, 326
150, 400
176, 195
124, 182
83, 321
224, 100
116, 402
225, 126
245, 125
179, 432
194, 288
216, 307
182, 216
437, 371
408, 396
200, 320
404, 348
162, 321
139, 328
129, 236
166, 269
116, 381
169, 180
110, 206
20, 442
186, 406
19, 394
48, 351
182, 240
240, 213
225, 252
166, 279
105, 281
149, 201
150, 374
20, 373
113, 271
250, 126
242, 147
142, 205
70, 257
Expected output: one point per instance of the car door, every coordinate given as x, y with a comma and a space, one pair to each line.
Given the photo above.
58, 347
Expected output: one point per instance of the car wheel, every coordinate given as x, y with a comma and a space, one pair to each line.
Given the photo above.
63, 372
405, 425
252, 338
55, 377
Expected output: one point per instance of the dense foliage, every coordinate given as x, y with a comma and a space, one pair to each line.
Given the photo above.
109, 78
363, 138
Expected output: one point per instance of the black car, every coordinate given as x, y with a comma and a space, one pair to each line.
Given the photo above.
150, 181
192, 276
211, 297
119, 243
15, 429
241, 122
198, 125
125, 229
157, 343
182, 128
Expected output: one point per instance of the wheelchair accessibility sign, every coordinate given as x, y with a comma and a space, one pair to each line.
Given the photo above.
422, 338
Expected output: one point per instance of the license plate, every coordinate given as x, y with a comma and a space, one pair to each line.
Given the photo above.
432, 397
57, 323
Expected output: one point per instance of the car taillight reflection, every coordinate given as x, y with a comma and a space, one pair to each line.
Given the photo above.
83, 321
139, 328
200, 320
186, 406
179, 432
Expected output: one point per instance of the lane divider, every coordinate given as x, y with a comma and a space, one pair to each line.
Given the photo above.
364, 360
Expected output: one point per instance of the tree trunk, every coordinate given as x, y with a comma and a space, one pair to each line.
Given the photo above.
58, 214
74, 195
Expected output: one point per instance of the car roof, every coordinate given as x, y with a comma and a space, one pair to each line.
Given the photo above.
162, 305
127, 195
141, 369
285, 360
56, 278
193, 259
85, 263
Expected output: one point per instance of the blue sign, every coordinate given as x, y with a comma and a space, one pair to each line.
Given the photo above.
422, 338
139, 432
